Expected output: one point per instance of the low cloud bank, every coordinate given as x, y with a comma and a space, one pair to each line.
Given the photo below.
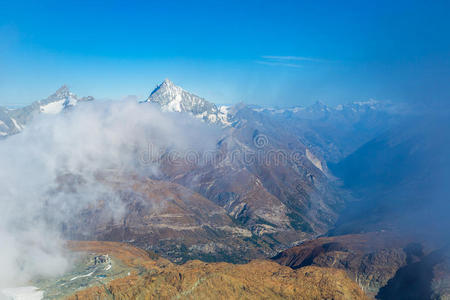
50, 171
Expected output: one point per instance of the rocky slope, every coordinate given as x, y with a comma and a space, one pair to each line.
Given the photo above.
159, 279
369, 259
168, 219
385, 265
266, 179
270, 173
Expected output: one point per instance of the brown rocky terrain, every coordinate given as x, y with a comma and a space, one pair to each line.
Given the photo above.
260, 279
269, 179
262, 192
266, 179
383, 264
369, 259
170, 220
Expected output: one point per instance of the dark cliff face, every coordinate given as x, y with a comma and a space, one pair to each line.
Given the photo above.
423, 277
385, 265
369, 259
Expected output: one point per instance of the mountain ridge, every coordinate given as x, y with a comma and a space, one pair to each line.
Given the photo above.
13, 121
175, 99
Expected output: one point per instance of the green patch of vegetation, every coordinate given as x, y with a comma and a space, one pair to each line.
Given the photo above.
242, 220
271, 240
255, 240
265, 222
298, 223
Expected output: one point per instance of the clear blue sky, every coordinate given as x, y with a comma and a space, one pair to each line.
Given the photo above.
266, 52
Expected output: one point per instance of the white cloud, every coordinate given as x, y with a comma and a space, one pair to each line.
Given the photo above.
91, 139
280, 64
287, 61
292, 58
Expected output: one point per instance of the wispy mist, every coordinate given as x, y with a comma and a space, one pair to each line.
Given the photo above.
50, 172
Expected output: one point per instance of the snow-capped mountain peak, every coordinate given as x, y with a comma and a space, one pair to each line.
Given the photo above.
13, 121
62, 92
319, 106
62, 99
167, 83
173, 98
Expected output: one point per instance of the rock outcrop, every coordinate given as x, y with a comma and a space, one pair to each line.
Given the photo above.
383, 264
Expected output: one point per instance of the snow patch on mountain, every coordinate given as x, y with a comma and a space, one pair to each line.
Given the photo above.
320, 108
314, 160
17, 125
53, 107
224, 115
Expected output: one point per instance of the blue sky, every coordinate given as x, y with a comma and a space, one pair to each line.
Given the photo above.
266, 52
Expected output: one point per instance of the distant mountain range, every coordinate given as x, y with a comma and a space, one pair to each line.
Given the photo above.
175, 99
269, 182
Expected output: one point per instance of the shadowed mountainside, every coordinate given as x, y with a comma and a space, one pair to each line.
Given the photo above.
385, 265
